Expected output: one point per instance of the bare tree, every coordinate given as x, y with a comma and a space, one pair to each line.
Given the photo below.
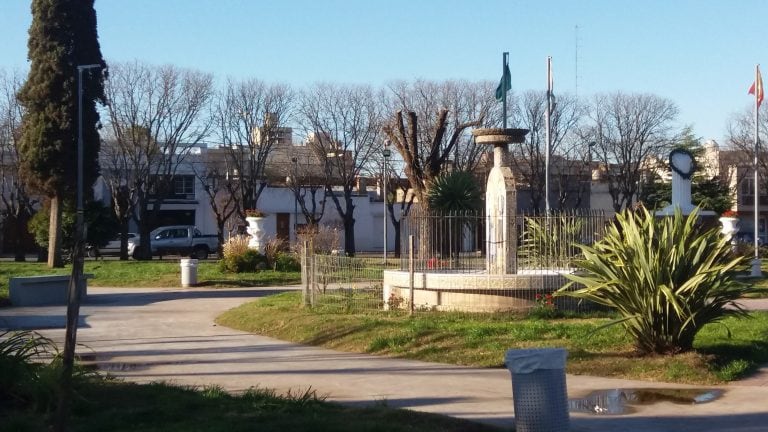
566, 152
221, 188
120, 178
248, 118
741, 136
430, 131
156, 119
17, 204
628, 129
343, 123
306, 181
399, 199
430, 125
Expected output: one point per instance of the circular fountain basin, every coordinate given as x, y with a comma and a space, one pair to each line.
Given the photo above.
447, 290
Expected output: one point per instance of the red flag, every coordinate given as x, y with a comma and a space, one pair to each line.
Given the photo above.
757, 88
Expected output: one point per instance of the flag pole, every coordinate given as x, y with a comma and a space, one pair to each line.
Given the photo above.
548, 135
756, 267
504, 66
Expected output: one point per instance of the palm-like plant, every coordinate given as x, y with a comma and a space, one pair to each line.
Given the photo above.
455, 191
665, 276
456, 198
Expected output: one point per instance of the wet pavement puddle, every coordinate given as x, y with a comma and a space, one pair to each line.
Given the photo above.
626, 401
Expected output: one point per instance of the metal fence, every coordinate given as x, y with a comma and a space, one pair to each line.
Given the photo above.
444, 265
457, 241
342, 284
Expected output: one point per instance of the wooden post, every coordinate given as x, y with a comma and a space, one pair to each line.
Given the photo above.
410, 273
305, 272
311, 260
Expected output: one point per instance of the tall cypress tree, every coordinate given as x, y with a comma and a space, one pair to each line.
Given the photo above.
62, 36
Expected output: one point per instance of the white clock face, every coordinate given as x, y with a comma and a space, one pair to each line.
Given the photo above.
682, 161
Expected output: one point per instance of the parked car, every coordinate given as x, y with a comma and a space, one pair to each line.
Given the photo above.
185, 240
113, 247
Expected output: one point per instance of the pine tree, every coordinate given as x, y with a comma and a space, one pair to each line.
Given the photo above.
62, 36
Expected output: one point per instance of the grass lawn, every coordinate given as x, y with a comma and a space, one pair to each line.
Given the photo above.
118, 406
482, 340
761, 283
155, 273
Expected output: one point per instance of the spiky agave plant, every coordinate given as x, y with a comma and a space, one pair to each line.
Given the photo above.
546, 241
667, 278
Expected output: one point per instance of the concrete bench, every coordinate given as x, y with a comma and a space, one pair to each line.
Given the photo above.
43, 290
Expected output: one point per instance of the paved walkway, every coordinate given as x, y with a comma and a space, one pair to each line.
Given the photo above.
148, 335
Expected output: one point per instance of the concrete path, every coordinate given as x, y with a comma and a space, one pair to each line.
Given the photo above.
146, 335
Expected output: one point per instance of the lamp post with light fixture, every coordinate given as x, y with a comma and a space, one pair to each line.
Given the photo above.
386, 153
73, 303
295, 165
75, 287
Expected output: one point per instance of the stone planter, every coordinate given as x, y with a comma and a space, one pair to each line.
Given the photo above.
256, 231
730, 226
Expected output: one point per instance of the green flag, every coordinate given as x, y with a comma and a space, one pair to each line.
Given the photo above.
505, 84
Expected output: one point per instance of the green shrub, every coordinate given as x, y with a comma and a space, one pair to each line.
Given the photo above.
22, 377
100, 220
666, 277
235, 245
286, 262
248, 261
546, 241
272, 248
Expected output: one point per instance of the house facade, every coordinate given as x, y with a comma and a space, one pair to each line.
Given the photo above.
737, 169
188, 202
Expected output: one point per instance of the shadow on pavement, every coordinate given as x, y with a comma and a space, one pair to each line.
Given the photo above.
753, 422
38, 322
124, 298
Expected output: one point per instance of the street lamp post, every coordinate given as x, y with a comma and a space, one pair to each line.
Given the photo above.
386, 153
80, 209
74, 289
77, 267
295, 162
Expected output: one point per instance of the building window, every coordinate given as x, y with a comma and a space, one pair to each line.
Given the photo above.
747, 186
747, 192
184, 186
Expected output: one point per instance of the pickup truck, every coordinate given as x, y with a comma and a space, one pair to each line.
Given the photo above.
185, 240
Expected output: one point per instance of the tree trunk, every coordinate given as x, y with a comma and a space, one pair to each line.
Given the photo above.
124, 240
18, 225
144, 249
349, 234
220, 236
147, 219
396, 226
54, 234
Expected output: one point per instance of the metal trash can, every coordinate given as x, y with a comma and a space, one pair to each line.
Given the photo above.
188, 272
538, 389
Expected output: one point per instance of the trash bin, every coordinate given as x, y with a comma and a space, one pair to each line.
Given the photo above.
538, 389
188, 272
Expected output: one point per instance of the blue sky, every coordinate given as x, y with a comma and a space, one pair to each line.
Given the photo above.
700, 54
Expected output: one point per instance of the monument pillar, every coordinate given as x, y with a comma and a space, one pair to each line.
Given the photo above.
500, 201
683, 166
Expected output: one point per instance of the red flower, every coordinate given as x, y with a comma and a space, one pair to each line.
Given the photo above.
730, 213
